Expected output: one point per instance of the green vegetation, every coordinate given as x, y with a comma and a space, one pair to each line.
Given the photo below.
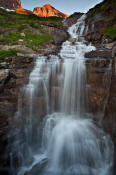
110, 33
8, 53
10, 38
29, 40
33, 40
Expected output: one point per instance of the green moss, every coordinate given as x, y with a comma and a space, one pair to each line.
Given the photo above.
110, 33
32, 40
11, 38
8, 53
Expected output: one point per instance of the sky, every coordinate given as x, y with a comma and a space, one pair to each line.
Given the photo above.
65, 6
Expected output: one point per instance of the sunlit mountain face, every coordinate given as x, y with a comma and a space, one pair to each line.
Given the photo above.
47, 11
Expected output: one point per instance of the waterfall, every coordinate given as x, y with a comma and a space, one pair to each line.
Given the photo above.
52, 135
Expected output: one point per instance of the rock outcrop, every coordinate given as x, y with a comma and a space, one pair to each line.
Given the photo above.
14, 5
10, 4
48, 11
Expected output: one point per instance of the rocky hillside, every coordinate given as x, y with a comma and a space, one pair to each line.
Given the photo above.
48, 11
101, 21
22, 38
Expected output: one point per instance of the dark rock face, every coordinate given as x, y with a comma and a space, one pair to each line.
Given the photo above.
98, 80
72, 19
114, 51
10, 4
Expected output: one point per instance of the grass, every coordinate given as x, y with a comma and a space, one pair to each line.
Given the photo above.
11, 38
30, 40
8, 53
33, 40
110, 33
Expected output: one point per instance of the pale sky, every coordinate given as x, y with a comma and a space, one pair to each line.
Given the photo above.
65, 6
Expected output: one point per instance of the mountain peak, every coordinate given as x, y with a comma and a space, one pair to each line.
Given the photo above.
47, 11
47, 5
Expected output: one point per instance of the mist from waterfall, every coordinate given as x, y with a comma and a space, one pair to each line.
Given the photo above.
52, 134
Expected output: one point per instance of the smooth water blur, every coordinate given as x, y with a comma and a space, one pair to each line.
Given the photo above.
75, 146
52, 125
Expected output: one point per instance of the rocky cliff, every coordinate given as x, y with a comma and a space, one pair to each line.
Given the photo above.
10, 4
48, 11
101, 23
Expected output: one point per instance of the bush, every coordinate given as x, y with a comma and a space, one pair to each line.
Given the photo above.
110, 33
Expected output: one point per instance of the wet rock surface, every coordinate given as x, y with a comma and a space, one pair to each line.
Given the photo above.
12, 77
98, 81
110, 111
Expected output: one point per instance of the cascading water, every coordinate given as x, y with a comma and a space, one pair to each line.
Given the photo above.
52, 134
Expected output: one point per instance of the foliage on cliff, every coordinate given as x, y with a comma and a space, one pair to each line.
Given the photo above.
110, 32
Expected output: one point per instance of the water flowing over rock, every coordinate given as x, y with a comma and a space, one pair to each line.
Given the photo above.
72, 19
52, 133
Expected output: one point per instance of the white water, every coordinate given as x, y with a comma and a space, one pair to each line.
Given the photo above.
70, 143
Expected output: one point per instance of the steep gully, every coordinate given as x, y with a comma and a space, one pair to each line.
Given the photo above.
54, 131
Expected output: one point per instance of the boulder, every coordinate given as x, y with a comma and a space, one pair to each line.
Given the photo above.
114, 50
22, 34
